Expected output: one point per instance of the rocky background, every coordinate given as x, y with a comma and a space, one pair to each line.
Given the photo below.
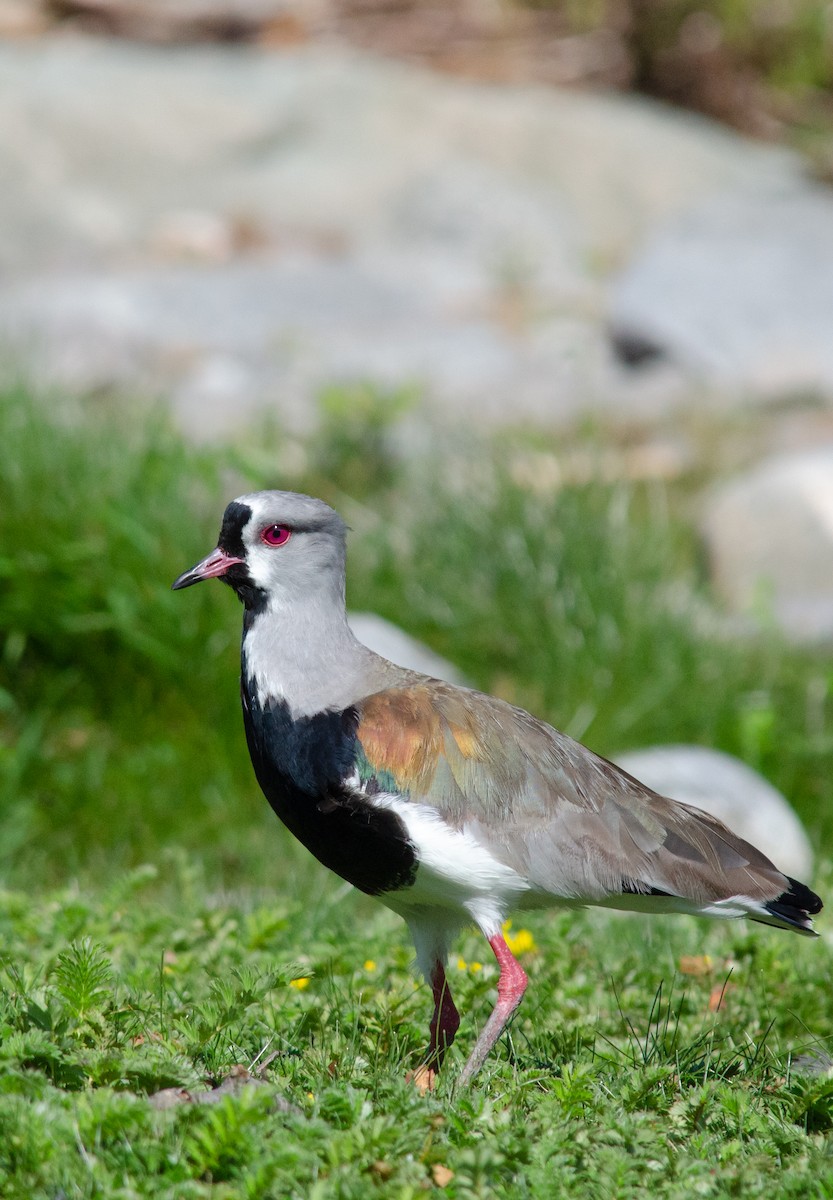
232, 204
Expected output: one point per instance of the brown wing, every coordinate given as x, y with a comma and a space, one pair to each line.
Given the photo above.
572, 823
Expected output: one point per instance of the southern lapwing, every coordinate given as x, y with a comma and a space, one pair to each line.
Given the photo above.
448, 805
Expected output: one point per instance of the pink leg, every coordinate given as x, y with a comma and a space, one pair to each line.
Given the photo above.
510, 989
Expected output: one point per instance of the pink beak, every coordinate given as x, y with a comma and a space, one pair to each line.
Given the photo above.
212, 567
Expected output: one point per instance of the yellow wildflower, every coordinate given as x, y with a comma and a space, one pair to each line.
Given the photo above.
474, 967
370, 965
300, 984
521, 942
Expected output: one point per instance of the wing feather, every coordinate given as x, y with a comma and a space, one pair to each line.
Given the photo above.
572, 823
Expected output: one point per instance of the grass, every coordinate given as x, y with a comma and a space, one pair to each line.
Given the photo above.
617, 1078
159, 929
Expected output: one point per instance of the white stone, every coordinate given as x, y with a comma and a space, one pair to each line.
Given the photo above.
730, 790
769, 535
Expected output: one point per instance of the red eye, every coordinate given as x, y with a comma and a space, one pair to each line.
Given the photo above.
275, 535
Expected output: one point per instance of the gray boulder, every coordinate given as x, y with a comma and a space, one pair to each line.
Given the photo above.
739, 290
100, 141
730, 790
769, 536
233, 228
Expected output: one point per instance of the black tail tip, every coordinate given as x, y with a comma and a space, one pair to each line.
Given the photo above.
796, 907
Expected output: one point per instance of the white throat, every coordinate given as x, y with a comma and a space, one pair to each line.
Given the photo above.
304, 653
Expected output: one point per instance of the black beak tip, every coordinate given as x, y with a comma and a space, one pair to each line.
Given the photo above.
186, 579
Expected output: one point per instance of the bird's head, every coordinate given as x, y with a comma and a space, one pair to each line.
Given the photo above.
276, 548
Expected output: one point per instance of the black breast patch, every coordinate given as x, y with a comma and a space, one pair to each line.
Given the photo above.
301, 765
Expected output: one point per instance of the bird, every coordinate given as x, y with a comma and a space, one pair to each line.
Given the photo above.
450, 806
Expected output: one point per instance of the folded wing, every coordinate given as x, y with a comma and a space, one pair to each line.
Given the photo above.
574, 825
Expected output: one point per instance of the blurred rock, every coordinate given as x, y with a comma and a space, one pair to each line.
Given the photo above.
392, 643
236, 228
769, 536
739, 290
730, 790
217, 397
224, 343
520, 172
193, 234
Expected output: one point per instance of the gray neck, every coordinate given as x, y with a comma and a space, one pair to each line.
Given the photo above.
305, 654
